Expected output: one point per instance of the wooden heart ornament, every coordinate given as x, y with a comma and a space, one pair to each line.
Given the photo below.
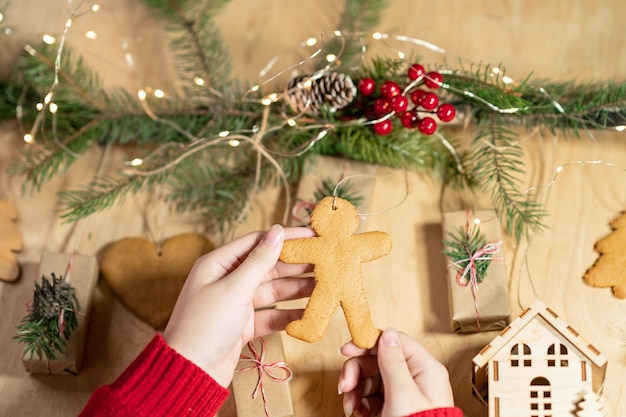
147, 279
10, 242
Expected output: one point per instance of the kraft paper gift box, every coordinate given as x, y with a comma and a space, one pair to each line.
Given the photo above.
84, 278
492, 293
276, 395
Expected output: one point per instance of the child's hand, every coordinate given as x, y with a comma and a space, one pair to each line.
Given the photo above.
413, 380
216, 312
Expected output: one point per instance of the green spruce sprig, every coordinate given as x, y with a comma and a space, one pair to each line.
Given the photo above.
462, 243
345, 191
50, 321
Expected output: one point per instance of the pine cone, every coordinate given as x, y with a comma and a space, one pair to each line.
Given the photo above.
52, 297
334, 90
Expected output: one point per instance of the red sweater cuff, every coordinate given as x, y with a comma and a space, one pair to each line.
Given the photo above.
439, 412
160, 382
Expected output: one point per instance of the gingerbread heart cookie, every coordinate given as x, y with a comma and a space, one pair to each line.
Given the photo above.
147, 279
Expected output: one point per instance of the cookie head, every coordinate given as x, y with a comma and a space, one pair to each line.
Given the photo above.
333, 214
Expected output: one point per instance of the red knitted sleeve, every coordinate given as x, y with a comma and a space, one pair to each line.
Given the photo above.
439, 412
160, 382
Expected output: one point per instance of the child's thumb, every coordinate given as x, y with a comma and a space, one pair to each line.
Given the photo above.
261, 259
397, 379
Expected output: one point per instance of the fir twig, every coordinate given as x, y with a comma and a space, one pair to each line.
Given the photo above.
51, 319
461, 245
345, 191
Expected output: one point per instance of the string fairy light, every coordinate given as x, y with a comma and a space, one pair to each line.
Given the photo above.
47, 102
559, 170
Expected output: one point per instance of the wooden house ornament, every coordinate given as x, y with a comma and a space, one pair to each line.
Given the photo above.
538, 366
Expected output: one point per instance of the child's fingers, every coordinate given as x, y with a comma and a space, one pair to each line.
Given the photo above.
274, 320
356, 369
282, 289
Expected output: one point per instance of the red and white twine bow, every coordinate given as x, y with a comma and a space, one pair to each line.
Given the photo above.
263, 369
307, 207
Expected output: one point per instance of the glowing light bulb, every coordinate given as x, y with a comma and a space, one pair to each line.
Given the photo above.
377, 35
49, 39
1, 17
506, 79
234, 143
331, 57
476, 221
90, 34
337, 33
495, 70
39, 106
95, 8
28, 138
48, 98
199, 81
559, 169
53, 108
291, 122
223, 133
401, 55
311, 42
255, 88
68, 23
31, 51
158, 93
322, 134
135, 162
141, 94
620, 128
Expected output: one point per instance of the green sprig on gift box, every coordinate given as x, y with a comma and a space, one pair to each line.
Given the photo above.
51, 319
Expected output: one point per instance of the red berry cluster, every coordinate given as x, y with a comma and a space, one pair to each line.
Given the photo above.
392, 99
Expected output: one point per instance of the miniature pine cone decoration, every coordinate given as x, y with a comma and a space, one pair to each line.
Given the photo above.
52, 297
308, 94
51, 319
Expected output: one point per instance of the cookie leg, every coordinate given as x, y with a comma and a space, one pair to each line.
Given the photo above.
364, 333
317, 314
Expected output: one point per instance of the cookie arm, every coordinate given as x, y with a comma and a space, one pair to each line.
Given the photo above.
300, 251
371, 245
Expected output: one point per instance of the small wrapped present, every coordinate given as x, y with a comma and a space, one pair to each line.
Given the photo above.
478, 290
261, 381
82, 271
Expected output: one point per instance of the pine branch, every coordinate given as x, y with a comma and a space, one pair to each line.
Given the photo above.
197, 45
358, 17
563, 105
345, 191
98, 195
497, 166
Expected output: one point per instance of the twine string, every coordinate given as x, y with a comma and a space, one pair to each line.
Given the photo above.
264, 369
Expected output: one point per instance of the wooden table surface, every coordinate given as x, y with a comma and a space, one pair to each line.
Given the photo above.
581, 39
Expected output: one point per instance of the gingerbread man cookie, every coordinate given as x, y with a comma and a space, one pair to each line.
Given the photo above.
336, 254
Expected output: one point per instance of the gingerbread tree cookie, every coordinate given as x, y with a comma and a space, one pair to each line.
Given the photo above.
336, 253
608, 271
